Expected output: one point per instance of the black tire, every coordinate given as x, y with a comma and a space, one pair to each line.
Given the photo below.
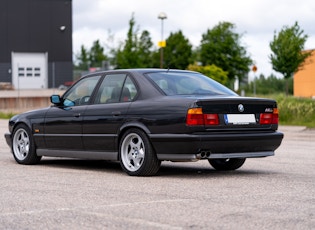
23, 147
136, 154
227, 164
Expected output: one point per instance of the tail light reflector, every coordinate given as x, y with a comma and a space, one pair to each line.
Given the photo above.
195, 116
269, 118
211, 119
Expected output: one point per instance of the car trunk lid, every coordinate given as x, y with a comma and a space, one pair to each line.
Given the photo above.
233, 113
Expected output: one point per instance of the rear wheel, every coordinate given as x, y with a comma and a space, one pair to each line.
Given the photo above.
23, 146
136, 154
227, 164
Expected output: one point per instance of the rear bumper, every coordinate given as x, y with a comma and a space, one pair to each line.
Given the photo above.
208, 155
217, 145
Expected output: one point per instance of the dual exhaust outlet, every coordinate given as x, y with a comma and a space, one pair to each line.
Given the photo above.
203, 154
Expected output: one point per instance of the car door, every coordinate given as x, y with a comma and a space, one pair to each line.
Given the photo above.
63, 124
103, 119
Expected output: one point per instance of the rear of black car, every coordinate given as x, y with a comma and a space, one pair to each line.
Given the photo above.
219, 124
232, 127
237, 126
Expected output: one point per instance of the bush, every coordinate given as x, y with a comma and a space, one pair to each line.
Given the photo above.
296, 111
6, 115
270, 85
212, 71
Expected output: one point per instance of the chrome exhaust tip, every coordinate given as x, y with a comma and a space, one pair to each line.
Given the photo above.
203, 155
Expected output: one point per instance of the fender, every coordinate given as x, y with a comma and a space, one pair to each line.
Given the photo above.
135, 124
128, 125
14, 121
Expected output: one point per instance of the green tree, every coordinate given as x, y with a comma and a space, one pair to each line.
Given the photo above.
178, 51
83, 59
156, 58
96, 55
268, 85
126, 55
222, 47
91, 58
287, 46
135, 51
212, 71
145, 53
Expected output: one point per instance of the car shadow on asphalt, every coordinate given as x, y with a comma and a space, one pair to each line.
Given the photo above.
166, 170
175, 170
69, 163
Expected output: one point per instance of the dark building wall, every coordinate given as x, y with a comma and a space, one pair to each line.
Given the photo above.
56, 70
5, 72
34, 26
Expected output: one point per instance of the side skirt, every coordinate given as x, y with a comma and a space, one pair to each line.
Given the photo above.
93, 155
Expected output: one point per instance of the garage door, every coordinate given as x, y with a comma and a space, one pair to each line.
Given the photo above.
29, 70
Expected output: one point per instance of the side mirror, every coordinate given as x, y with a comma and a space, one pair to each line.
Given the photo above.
55, 99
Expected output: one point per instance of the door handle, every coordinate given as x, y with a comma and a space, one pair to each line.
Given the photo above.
77, 115
116, 113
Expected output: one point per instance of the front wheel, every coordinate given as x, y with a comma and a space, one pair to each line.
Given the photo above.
227, 164
136, 154
23, 146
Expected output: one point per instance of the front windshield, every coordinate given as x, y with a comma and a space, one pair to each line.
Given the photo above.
188, 83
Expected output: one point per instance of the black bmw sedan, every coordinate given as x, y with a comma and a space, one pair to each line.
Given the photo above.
141, 117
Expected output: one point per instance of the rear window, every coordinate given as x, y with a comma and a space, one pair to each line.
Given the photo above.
188, 83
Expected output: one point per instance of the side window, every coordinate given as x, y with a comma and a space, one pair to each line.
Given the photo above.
116, 88
81, 92
130, 87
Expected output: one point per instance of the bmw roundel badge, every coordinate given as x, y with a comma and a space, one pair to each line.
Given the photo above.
240, 108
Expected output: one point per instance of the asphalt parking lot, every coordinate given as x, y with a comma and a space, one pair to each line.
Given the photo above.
268, 193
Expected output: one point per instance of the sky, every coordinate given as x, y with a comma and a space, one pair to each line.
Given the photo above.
255, 20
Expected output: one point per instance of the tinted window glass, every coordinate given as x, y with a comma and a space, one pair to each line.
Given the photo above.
81, 92
116, 88
175, 83
131, 88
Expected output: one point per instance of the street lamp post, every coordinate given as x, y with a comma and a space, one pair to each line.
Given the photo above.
162, 43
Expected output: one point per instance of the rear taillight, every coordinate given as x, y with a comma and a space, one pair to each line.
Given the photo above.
269, 118
195, 116
211, 119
